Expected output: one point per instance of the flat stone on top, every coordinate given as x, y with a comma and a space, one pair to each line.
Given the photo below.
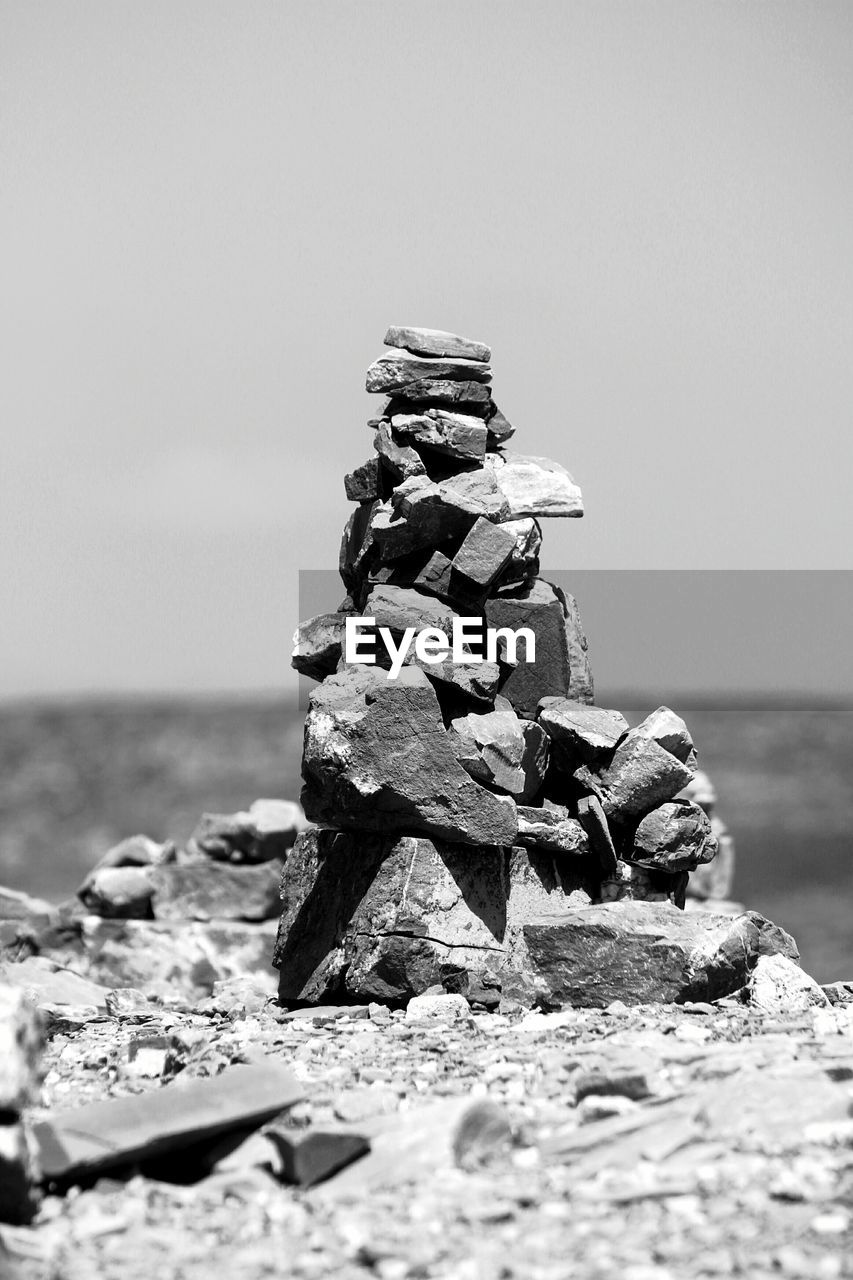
435, 342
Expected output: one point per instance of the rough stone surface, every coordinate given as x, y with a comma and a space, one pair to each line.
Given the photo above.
552, 829
213, 891
535, 486
377, 757
385, 918
523, 564
357, 543
466, 397
365, 483
118, 891
641, 776
317, 645
676, 836
423, 514
587, 731
435, 342
594, 822
399, 459
21, 1043
454, 434
779, 986
394, 369
638, 952
400, 607
498, 748
264, 831
560, 668
486, 550
670, 732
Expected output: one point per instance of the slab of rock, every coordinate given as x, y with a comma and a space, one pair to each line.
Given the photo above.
552, 829
357, 543
435, 342
498, 748
400, 607
588, 732
500, 428
639, 952
467, 397
214, 891
378, 758
423, 514
561, 667
394, 369
365, 483
48, 985
779, 986
670, 732
387, 918
676, 836
535, 486
640, 776
399, 459
455, 434
21, 1044
317, 645
261, 833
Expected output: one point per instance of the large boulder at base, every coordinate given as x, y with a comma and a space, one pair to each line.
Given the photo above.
377, 757
561, 668
639, 953
264, 831
385, 918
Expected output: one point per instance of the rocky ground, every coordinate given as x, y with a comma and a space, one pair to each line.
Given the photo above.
645, 1143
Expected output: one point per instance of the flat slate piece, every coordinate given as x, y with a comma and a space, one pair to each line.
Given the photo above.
436, 342
123, 1130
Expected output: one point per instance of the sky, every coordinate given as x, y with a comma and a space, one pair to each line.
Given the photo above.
210, 213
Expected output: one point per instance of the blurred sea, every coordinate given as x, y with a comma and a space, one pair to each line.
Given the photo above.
78, 775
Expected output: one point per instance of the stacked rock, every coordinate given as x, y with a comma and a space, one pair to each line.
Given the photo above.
457, 800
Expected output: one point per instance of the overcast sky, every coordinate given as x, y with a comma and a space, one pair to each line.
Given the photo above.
209, 213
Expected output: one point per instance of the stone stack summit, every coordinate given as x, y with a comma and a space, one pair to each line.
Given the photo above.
483, 826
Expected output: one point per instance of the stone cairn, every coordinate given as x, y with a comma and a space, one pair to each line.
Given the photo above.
483, 828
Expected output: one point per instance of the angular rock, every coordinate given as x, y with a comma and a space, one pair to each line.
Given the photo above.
523, 564
399, 459
365, 483
486, 550
670, 732
535, 486
118, 891
387, 918
551, 829
213, 891
308, 1156
18, 1203
394, 369
357, 543
640, 776
560, 668
466, 397
377, 757
317, 645
135, 851
455, 434
638, 952
478, 488
588, 732
122, 1131
438, 1008
676, 836
400, 607
500, 428
423, 514
476, 680
21, 1044
593, 819
499, 749
261, 833
435, 342
779, 986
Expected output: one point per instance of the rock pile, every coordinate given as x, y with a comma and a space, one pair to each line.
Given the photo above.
474, 817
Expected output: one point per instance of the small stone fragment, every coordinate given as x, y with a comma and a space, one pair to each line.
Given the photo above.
487, 548
435, 342
118, 891
308, 1156
523, 564
500, 429
676, 836
317, 645
266, 830
482, 1134
779, 986
498, 748
400, 460
551, 828
394, 369
594, 822
670, 732
438, 1008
